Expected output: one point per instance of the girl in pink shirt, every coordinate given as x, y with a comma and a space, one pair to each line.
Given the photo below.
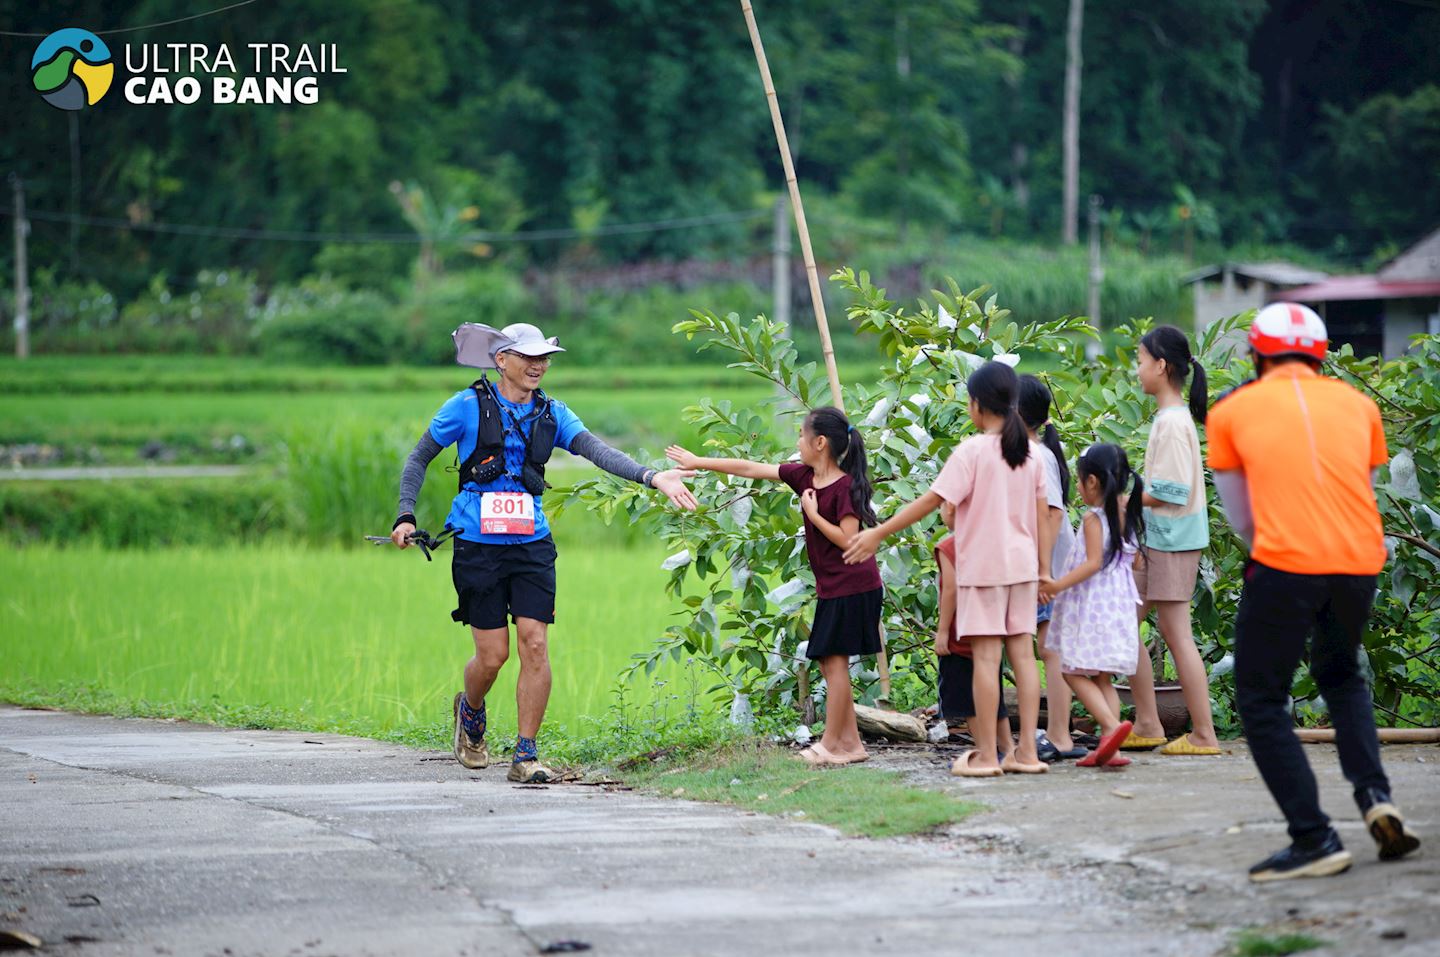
998, 490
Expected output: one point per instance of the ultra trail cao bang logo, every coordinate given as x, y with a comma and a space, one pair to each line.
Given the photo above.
72, 69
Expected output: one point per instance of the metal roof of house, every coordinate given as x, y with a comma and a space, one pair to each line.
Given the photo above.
1359, 287
1274, 273
1419, 263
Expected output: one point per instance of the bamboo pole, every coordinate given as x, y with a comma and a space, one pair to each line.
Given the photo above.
800, 225
1386, 735
808, 252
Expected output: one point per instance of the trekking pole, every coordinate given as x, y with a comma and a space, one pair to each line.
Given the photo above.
427, 542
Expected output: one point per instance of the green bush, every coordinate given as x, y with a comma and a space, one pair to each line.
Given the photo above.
319, 322
64, 316
216, 317
152, 513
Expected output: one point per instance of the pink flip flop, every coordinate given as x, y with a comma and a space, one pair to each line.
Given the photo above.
961, 768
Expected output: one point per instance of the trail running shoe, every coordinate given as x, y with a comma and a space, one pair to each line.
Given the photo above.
1329, 857
472, 753
529, 772
1386, 826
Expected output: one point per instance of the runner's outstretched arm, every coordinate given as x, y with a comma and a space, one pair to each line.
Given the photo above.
744, 468
610, 459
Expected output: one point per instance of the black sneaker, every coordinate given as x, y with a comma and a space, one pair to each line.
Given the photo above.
1386, 826
1327, 858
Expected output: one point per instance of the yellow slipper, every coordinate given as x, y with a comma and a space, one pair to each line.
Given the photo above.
1182, 745
1134, 742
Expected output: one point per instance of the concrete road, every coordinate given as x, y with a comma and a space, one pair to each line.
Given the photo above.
144, 837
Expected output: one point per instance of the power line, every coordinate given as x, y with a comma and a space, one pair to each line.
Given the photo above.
300, 236
147, 26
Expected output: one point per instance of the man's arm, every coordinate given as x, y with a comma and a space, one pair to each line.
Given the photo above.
412, 477
610, 459
1234, 494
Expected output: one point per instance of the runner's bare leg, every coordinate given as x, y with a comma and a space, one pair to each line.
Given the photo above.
532, 689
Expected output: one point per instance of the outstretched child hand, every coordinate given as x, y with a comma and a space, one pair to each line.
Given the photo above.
863, 546
682, 457
1048, 591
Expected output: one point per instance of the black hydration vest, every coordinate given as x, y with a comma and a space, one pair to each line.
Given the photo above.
487, 462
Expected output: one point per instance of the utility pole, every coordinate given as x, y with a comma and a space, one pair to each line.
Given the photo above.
1070, 133
780, 263
1097, 273
22, 284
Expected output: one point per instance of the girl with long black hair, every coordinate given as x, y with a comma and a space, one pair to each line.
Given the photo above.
832, 479
1055, 743
1177, 520
998, 489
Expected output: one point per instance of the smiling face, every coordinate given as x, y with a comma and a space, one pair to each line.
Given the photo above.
522, 372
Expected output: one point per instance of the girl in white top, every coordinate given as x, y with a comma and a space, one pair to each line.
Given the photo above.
1177, 532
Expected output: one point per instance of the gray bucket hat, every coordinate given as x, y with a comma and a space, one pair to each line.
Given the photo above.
477, 344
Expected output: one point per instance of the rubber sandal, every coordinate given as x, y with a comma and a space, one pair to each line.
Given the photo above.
1012, 765
819, 756
1073, 754
1108, 746
1183, 745
855, 759
1045, 749
961, 767
1118, 761
1133, 742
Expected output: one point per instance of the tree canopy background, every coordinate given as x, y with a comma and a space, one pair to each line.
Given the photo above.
1269, 121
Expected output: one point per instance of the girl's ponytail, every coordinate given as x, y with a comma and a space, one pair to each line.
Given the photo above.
847, 448
1198, 395
1051, 439
995, 388
1109, 464
1034, 406
1135, 511
1170, 344
1014, 439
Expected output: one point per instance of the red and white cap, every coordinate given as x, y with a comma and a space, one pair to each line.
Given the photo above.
1288, 328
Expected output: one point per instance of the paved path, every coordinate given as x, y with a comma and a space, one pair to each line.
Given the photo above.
148, 837
113, 472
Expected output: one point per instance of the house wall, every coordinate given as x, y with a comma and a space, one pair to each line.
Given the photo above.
1405, 318
1218, 298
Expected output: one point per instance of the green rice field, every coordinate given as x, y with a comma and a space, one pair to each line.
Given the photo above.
358, 640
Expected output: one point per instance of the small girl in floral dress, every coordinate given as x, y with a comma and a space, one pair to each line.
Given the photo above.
1093, 625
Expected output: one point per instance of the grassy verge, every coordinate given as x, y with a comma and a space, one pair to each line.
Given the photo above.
760, 777
1253, 943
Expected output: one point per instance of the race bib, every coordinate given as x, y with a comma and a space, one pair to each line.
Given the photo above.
507, 513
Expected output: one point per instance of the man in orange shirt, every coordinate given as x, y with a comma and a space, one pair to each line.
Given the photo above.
1293, 455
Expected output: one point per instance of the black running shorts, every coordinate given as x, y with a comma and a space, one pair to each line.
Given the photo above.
496, 581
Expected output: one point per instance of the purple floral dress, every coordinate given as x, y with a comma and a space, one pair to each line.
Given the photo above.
1094, 624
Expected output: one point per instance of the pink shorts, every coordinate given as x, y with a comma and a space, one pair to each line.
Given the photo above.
996, 609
